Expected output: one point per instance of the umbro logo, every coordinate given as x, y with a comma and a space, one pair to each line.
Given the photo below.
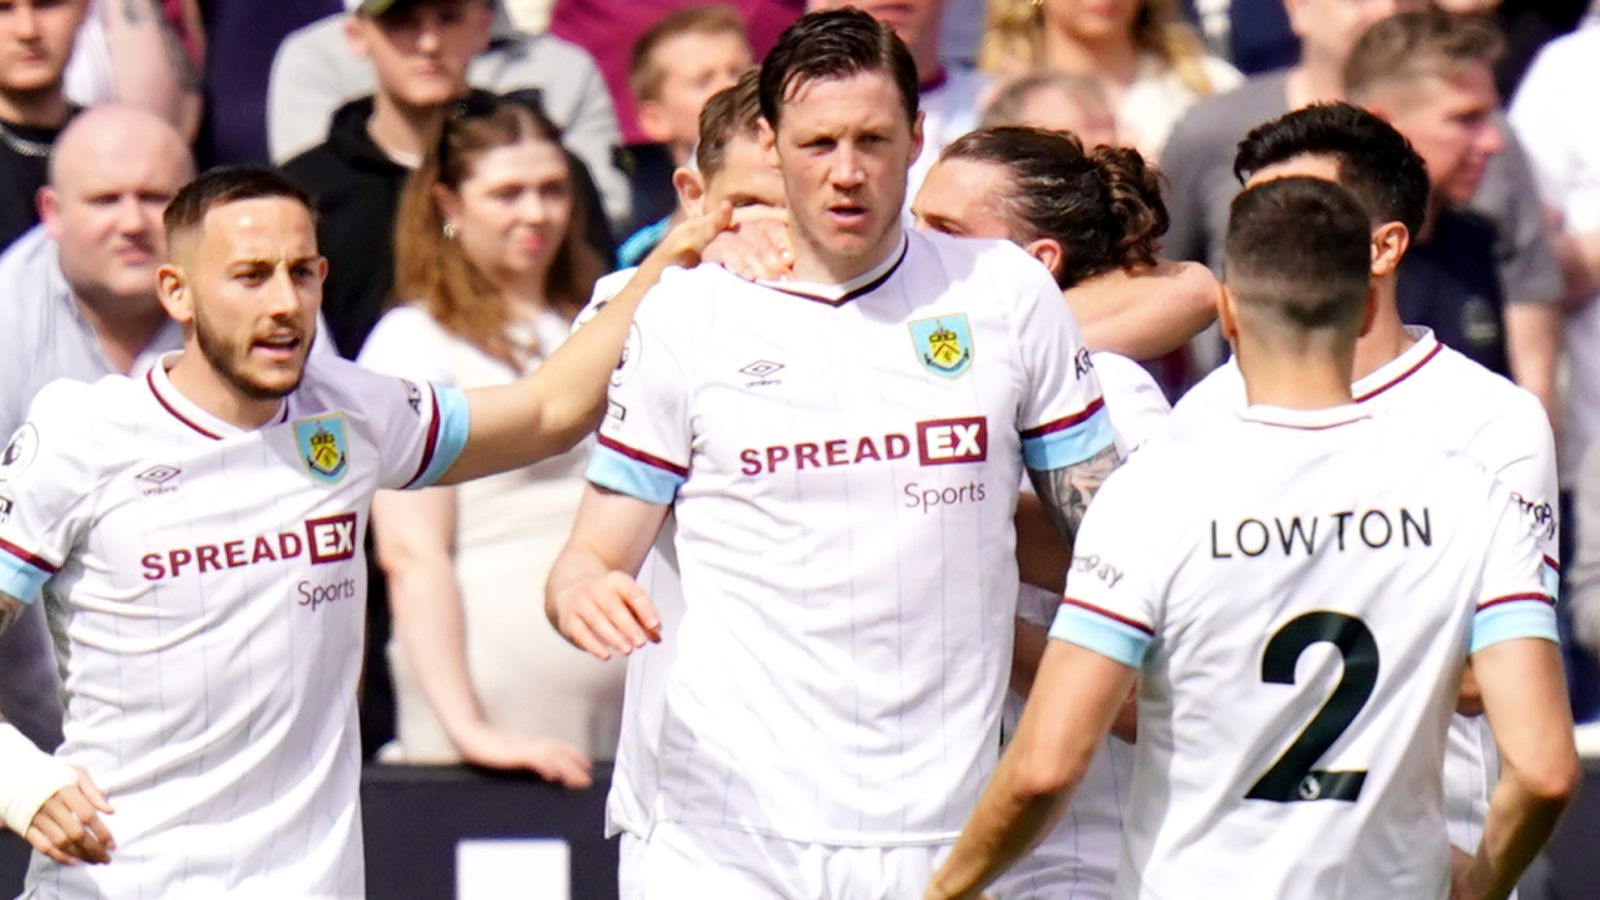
762, 371
159, 479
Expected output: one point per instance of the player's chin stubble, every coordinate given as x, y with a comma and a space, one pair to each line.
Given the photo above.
226, 359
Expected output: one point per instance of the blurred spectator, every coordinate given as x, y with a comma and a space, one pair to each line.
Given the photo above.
241, 40
951, 96
81, 303
1055, 102
141, 52
961, 33
676, 66
1563, 146
609, 29
493, 265
1148, 61
419, 50
1253, 35
36, 38
1198, 162
1527, 26
315, 73
1429, 75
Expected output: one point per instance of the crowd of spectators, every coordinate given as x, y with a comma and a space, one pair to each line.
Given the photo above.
427, 129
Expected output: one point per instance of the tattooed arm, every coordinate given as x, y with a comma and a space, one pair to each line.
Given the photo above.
150, 66
1067, 491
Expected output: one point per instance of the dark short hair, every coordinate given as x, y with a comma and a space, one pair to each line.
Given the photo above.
229, 184
645, 72
730, 113
1104, 207
1411, 45
1300, 250
1375, 162
839, 43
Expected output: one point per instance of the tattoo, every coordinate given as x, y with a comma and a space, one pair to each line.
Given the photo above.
1066, 492
134, 10
10, 610
137, 12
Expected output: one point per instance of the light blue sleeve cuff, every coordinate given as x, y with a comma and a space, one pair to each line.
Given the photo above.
1550, 576
1114, 640
21, 579
1511, 621
455, 424
625, 475
1069, 446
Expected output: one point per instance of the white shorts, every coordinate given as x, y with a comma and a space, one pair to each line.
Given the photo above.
690, 861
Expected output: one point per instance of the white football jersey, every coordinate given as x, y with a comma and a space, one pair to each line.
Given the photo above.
1300, 642
842, 463
1463, 407
207, 587
1079, 857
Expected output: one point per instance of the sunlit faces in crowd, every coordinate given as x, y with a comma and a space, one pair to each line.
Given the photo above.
36, 38
512, 210
420, 51
113, 172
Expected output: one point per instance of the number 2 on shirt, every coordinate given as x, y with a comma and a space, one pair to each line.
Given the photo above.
1292, 778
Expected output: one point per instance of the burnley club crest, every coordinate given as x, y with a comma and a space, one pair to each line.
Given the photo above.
943, 345
323, 447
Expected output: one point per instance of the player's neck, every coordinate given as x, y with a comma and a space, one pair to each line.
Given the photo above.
1386, 340
815, 264
1296, 380
196, 380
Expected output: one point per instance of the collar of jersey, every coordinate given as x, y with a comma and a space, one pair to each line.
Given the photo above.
844, 292
1401, 367
1307, 419
188, 412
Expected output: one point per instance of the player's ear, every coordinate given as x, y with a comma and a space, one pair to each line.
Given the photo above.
691, 188
1389, 243
172, 287
1049, 252
769, 142
1228, 316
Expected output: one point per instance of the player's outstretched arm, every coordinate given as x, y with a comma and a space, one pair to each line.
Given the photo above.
1067, 491
549, 411
1074, 700
1524, 697
1147, 313
591, 597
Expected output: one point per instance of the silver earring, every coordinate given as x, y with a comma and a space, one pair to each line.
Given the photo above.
450, 230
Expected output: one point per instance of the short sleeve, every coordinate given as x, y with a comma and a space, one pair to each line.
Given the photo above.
420, 428
1527, 466
644, 443
44, 489
1525, 255
1063, 419
1111, 606
1512, 600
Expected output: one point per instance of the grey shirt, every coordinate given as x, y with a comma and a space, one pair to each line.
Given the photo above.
48, 338
315, 72
1198, 162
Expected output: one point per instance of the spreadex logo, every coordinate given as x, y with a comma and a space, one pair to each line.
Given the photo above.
938, 442
326, 540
